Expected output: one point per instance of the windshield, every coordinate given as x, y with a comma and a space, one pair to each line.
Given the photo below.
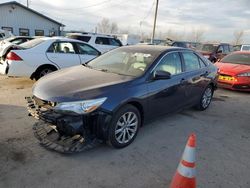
208, 47
125, 61
237, 59
32, 43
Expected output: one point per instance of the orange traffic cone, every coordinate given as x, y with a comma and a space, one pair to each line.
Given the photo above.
185, 174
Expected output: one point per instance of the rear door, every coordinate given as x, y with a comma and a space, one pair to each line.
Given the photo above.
86, 52
196, 74
169, 94
63, 54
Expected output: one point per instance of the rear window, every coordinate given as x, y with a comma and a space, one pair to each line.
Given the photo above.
82, 38
237, 59
32, 43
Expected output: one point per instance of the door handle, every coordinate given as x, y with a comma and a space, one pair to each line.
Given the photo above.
183, 81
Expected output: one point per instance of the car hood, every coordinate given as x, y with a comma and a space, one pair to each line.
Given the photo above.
77, 83
230, 68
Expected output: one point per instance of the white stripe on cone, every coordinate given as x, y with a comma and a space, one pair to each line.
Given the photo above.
189, 154
186, 171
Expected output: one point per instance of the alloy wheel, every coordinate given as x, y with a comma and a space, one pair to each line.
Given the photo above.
207, 97
126, 127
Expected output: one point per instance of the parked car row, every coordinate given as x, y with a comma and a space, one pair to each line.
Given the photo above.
41, 56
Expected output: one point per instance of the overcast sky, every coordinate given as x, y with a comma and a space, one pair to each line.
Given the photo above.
218, 18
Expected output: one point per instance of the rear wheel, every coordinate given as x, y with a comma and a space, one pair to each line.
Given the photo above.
44, 71
124, 126
206, 98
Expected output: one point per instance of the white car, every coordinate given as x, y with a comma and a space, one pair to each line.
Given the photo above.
41, 56
101, 42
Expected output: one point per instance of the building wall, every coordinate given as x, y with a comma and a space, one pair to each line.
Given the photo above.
17, 17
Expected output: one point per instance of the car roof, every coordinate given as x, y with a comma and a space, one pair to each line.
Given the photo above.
91, 34
61, 38
155, 48
241, 52
215, 43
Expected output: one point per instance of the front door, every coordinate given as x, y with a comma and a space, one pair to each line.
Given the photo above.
167, 95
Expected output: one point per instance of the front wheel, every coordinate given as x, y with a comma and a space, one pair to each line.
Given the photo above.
206, 98
124, 126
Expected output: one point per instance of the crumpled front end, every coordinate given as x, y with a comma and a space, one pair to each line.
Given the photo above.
66, 133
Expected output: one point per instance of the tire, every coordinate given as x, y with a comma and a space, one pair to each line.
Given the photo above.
44, 71
121, 134
206, 98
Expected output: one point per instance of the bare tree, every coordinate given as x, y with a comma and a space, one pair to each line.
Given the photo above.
197, 35
238, 37
114, 28
105, 26
174, 35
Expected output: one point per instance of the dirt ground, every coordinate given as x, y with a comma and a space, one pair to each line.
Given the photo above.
223, 150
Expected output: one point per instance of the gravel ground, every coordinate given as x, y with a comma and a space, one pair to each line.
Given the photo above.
223, 154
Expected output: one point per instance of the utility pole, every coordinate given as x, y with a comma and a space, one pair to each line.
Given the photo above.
156, 10
28, 3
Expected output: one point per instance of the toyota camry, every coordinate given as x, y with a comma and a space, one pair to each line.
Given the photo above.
111, 97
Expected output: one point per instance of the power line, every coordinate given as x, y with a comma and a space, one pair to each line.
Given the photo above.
79, 8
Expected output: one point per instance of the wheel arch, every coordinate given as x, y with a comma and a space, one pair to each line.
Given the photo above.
41, 67
136, 104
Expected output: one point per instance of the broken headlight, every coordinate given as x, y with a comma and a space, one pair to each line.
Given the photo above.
79, 107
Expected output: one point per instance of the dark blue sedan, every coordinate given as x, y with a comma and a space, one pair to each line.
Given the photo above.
111, 97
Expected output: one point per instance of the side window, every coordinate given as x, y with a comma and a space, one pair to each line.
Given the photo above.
102, 40
202, 63
191, 61
226, 49
61, 47
114, 42
86, 49
231, 48
220, 49
170, 63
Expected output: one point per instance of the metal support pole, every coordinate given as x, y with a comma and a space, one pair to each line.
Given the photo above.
156, 10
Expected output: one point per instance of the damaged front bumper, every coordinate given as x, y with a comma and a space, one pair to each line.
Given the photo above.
67, 133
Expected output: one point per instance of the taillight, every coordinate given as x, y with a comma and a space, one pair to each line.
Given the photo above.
13, 56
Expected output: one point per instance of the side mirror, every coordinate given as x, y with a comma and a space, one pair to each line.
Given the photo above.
161, 75
219, 51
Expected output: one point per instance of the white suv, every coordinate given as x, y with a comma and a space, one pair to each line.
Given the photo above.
101, 42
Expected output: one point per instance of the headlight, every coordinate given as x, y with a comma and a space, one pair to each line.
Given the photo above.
244, 74
79, 107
